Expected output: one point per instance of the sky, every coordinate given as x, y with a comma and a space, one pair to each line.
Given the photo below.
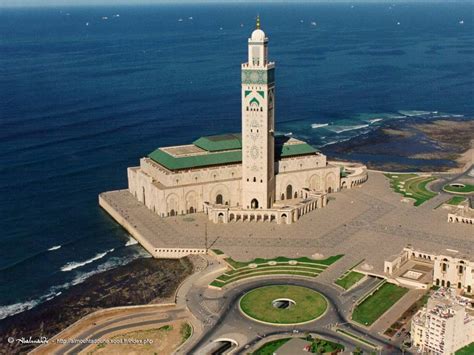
25, 3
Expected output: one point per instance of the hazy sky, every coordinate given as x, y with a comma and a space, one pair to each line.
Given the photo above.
132, 2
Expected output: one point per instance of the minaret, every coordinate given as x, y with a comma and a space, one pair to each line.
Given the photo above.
258, 124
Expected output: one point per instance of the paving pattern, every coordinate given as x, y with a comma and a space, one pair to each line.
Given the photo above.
370, 222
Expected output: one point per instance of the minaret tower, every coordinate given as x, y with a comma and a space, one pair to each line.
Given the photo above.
258, 124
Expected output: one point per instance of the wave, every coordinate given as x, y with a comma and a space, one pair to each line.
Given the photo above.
108, 265
12, 309
372, 121
74, 265
341, 129
319, 125
131, 241
15, 308
412, 113
56, 247
334, 142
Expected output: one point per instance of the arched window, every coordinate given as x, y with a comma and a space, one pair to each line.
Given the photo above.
219, 199
448, 284
437, 282
254, 203
289, 192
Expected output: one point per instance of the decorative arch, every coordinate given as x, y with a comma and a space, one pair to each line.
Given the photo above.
191, 201
289, 191
220, 190
172, 204
254, 204
315, 182
330, 181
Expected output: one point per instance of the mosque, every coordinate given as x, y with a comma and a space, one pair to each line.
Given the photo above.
255, 175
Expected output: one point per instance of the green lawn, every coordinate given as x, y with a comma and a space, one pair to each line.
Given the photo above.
278, 266
270, 347
240, 264
322, 346
467, 350
378, 303
350, 279
308, 305
412, 186
466, 189
456, 200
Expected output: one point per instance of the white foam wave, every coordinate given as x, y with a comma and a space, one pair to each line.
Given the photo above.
288, 134
372, 121
74, 264
56, 247
319, 125
341, 129
15, 308
334, 142
411, 113
11, 309
131, 241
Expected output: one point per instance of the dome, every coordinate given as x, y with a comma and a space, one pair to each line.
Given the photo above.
258, 35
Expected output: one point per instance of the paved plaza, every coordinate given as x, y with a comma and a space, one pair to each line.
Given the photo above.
369, 222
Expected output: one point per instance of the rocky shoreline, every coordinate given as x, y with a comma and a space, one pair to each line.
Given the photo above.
412, 145
141, 281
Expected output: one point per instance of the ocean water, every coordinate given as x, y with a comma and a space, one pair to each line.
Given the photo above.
85, 92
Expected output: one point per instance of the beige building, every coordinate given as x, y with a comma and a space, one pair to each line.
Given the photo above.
449, 268
255, 175
445, 325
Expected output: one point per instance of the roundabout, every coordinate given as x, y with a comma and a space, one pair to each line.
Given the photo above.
283, 304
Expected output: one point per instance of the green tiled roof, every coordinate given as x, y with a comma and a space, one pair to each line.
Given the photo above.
220, 142
293, 149
224, 149
175, 163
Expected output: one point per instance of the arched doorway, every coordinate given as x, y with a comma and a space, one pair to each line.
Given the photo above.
254, 203
289, 192
191, 210
172, 213
219, 199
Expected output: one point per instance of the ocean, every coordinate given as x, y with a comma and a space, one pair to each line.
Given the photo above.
86, 91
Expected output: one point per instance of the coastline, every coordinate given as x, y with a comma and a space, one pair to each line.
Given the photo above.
434, 141
142, 281
412, 145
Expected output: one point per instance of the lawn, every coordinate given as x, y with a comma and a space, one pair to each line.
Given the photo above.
258, 304
322, 346
412, 186
456, 200
278, 266
466, 189
467, 350
378, 303
349, 280
270, 347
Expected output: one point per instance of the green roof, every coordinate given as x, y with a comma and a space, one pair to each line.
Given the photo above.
176, 163
220, 142
293, 149
224, 149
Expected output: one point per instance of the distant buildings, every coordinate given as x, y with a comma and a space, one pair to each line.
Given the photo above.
445, 325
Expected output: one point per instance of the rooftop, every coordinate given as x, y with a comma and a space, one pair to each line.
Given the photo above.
221, 150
